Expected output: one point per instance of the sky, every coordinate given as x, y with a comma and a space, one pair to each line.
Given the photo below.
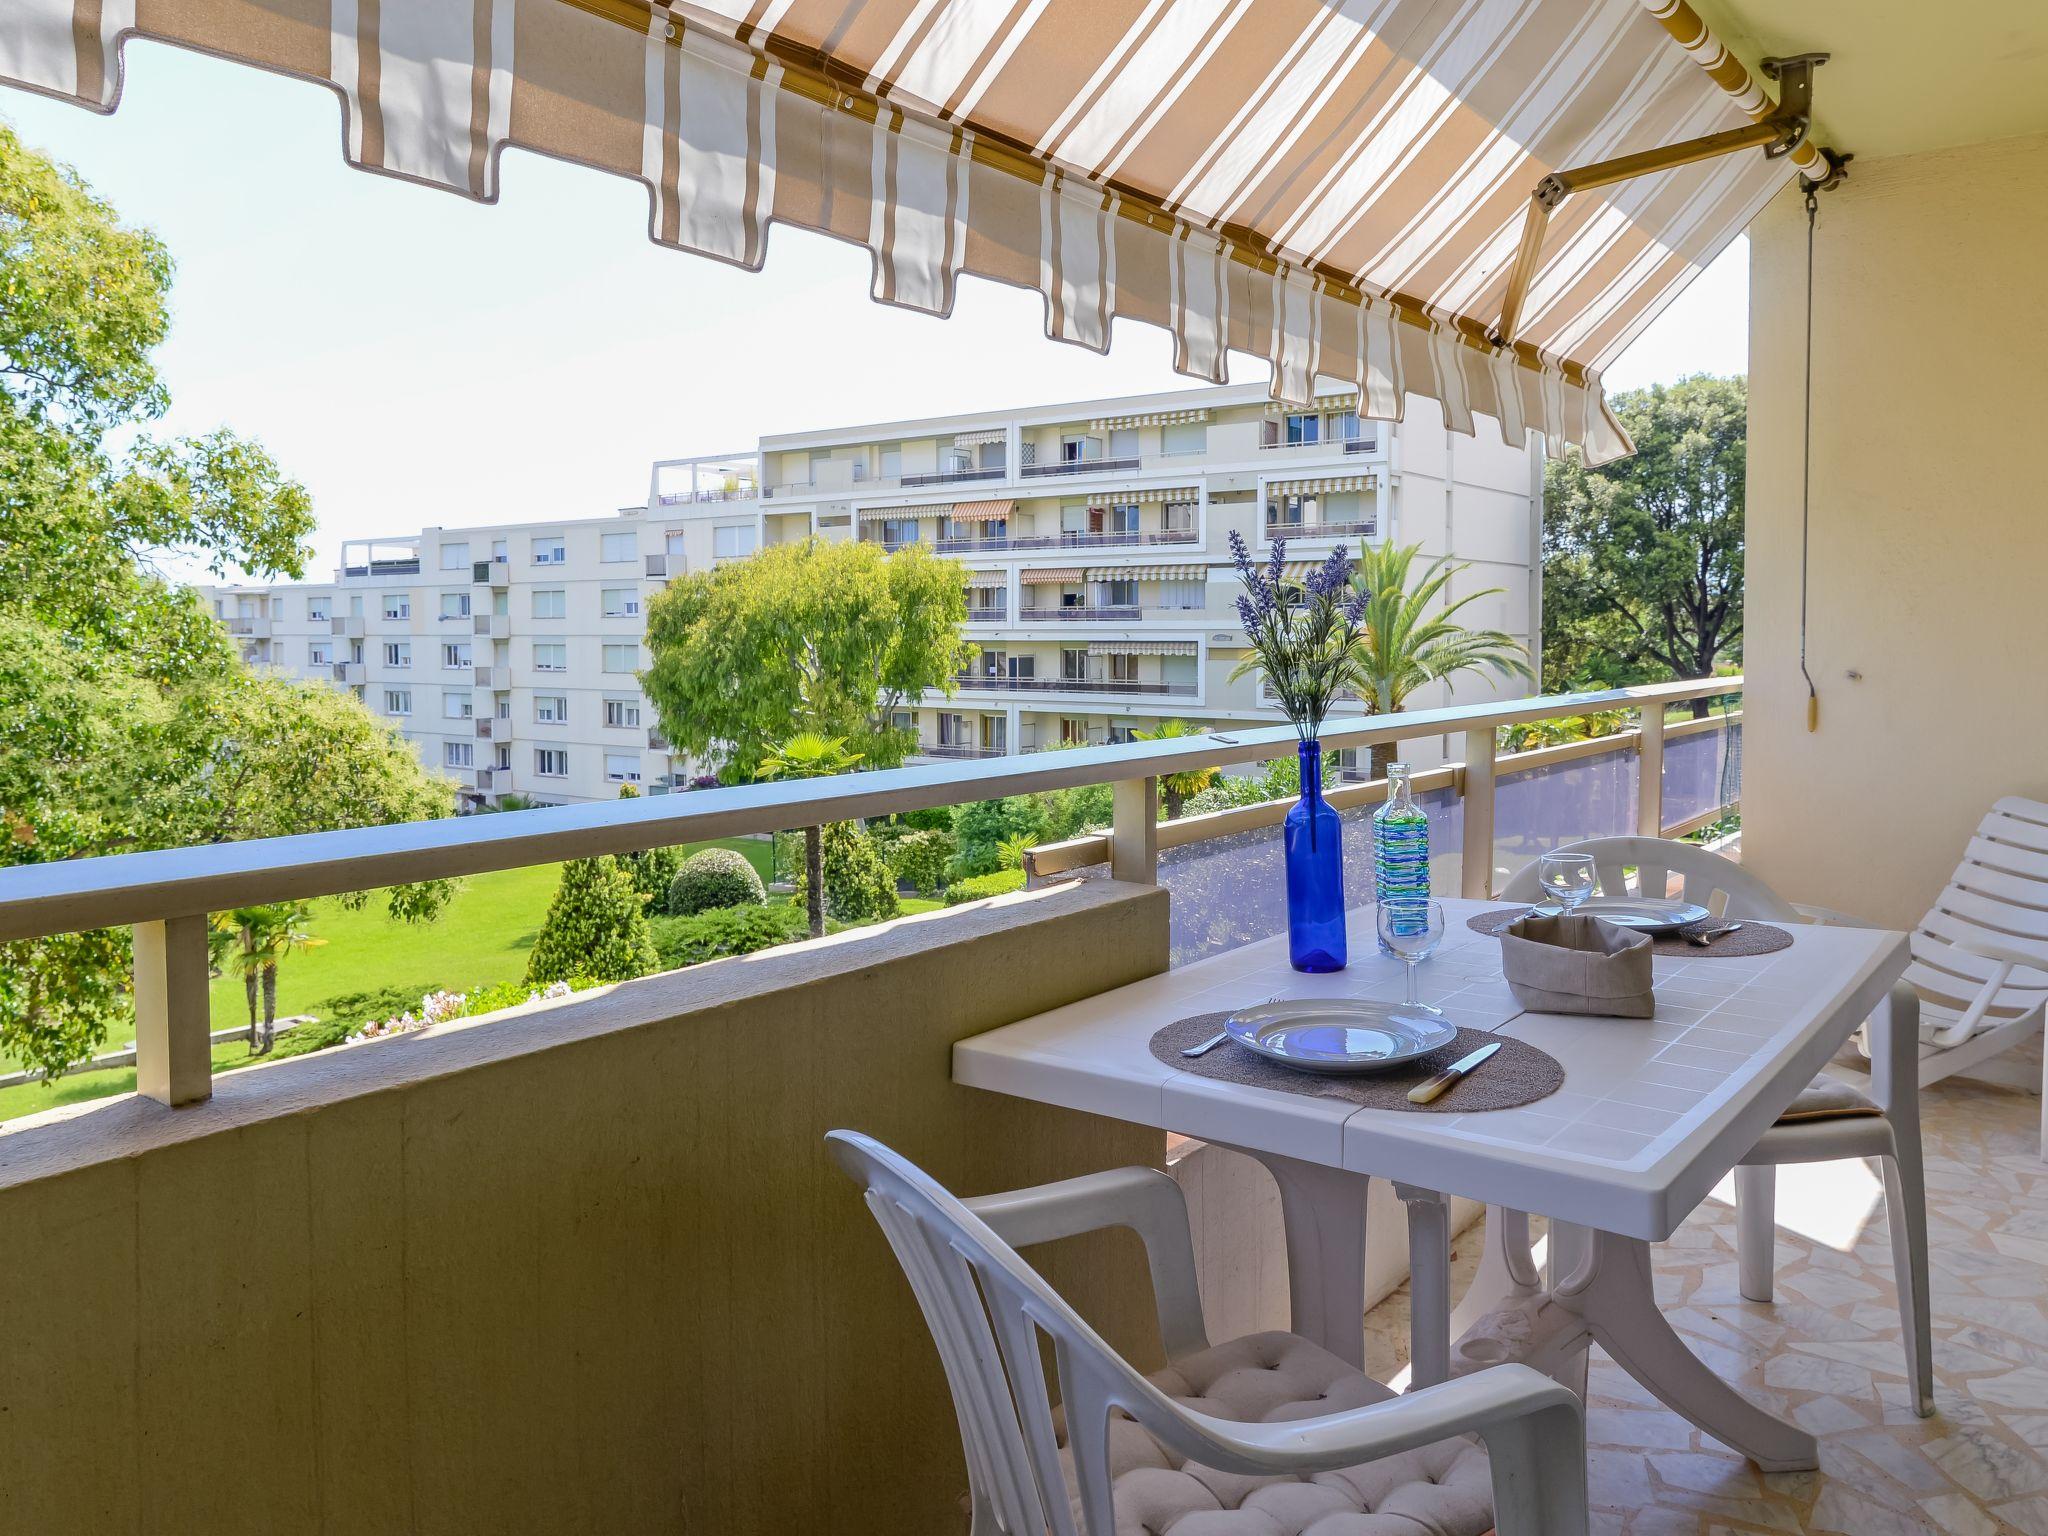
418, 359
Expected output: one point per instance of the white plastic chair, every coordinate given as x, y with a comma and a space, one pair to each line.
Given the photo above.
989, 1311
1826, 1122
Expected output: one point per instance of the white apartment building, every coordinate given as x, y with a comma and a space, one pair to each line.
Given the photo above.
1094, 536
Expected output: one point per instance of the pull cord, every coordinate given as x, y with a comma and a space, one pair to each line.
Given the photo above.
1806, 469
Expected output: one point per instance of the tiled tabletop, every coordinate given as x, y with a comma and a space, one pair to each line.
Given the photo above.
1652, 1113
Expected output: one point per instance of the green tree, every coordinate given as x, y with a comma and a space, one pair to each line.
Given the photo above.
1643, 557
981, 827
858, 883
807, 755
596, 927
253, 942
835, 637
1176, 789
1405, 639
127, 719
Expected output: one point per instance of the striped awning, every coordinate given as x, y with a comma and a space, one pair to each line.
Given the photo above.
1143, 648
1335, 188
877, 514
1322, 485
1149, 419
1187, 571
979, 436
982, 511
1047, 575
1346, 401
1160, 493
985, 579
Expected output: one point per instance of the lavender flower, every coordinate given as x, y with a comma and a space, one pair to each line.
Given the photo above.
1301, 639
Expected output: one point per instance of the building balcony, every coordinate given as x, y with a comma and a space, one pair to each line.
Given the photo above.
248, 629
1080, 467
349, 672
996, 615
952, 477
348, 626
495, 573
958, 749
656, 742
1119, 614
495, 626
657, 567
490, 677
687, 498
485, 726
1079, 685
1066, 539
1365, 444
1366, 528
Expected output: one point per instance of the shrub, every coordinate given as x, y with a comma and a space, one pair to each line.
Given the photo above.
712, 878
595, 927
919, 860
351, 1008
933, 818
682, 941
653, 871
975, 887
1281, 780
1070, 812
984, 826
858, 886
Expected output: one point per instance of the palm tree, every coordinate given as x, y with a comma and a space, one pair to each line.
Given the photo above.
253, 941
808, 755
1402, 645
1178, 788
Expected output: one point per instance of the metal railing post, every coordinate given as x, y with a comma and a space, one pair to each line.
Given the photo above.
173, 1055
1134, 831
1650, 773
1476, 880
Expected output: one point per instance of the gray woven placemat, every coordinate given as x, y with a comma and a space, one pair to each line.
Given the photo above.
1515, 1074
1750, 939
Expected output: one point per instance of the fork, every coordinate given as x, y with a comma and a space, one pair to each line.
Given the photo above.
1704, 936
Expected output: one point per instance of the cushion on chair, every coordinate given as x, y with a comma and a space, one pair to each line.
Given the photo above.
1444, 1489
1827, 1098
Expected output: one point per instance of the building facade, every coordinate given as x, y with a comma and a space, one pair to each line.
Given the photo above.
1094, 537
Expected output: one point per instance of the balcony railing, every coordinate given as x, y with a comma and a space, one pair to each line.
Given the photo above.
166, 895
959, 749
347, 671
1101, 685
484, 728
657, 567
995, 615
490, 677
1366, 528
656, 742
1118, 613
249, 629
685, 498
952, 476
1329, 444
408, 567
1079, 467
1065, 539
494, 572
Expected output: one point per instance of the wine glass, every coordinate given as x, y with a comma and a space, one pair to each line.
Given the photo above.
1567, 879
1413, 930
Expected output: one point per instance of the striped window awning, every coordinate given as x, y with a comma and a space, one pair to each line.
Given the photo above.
1049, 575
1149, 419
1347, 401
1322, 485
979, 436
1189, 571
982, 511
879, 514
1143, 648
1158, 493
982, 580
1337, 189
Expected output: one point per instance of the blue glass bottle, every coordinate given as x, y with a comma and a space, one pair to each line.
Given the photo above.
1313, 838
1400, 856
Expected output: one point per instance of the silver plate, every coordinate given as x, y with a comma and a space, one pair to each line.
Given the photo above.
1337, 1034
1647, 914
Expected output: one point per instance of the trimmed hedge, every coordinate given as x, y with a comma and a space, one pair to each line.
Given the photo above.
975, 887
713, 878
919, 859
682, 941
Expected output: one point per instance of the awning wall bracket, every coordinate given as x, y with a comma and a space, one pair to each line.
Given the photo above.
1777, 135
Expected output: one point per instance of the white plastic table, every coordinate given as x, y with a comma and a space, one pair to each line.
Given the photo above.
1652, 1114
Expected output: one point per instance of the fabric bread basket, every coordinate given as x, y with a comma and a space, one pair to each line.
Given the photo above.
1578, 965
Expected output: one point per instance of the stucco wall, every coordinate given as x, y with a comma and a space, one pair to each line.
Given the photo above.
587, 1269
1929, 524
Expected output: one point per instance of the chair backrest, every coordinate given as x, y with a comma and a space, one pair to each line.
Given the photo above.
988, 1311
1998, 895
1719, 884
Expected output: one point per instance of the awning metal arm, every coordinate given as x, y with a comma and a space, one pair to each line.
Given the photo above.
1779, 134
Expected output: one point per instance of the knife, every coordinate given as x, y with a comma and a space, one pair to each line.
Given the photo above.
1438, 1086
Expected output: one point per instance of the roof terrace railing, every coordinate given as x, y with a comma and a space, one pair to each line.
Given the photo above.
166, 895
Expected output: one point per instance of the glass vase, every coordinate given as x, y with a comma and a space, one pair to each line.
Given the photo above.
1313, 839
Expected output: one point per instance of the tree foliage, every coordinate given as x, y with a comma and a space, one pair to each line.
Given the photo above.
859, 885
1643, 558
833, 636
711, 878
127, 718
596, 927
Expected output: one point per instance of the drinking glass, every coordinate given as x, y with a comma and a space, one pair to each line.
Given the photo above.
1566, 878
1413, 930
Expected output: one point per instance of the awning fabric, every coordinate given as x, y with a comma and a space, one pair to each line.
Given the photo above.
1149, 419
1190, 571
979, 436
1335, 188
982, 511
1050, 574
985, 579
1143, 648
1161, 493
877, 514
1322, 485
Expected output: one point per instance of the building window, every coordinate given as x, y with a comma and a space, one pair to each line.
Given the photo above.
1123, 669
316, 610
1184, 437
618, 548
550, 708
892, 463
550, 551
622, 767
454, 605
398, 653
1073, 665
504, 756
455, 656
1080, 450
458, 754
551, 762
397, 605
622, 602
1123, 517
622, 658
1343, 427
1289, 511
550, 656
457, 706
454, 557
1119, 594
550, 603
1183, 594
899, 530
622, 714
1302, 427
397, 701
1179, 517
320, 653
729, 541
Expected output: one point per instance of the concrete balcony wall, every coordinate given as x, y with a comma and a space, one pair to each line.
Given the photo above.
583, 1269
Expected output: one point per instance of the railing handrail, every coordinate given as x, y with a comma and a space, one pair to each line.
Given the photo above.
121, 889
